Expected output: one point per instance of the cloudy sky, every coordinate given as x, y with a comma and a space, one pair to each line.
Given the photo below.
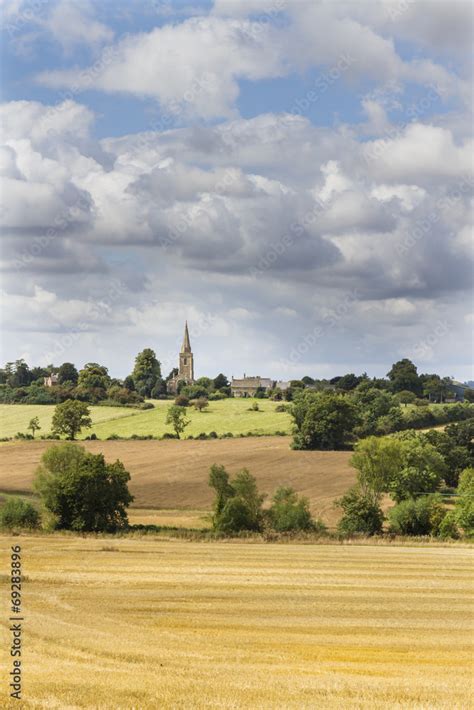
294, 177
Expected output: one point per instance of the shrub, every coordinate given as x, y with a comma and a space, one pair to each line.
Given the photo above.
254, 407
464, 510
18, 513
113, 437
238, 504
282, 408
448, 527
235, 517
181, 400
213, 435
26, 437
362, 513
420, 516
82, 491
288, 512
169, 435
146, 405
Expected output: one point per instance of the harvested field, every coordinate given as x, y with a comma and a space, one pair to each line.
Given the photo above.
138, 623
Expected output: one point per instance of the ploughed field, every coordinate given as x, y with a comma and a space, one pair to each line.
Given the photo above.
145, 623
228, 415
169, 478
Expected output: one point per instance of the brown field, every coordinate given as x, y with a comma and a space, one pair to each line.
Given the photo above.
172, 475
141, 624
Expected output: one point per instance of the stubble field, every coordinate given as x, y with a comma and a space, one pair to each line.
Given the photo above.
141, 623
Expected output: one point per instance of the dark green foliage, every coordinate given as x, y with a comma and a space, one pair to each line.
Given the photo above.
68, 373
362, 513
70, 417
323, 420
18, 513
238, 504
420, 516
221, 381
404, 376
147, 372
82, 491
290, 512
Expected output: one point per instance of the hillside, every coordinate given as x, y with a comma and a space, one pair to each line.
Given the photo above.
228, 415
173, 475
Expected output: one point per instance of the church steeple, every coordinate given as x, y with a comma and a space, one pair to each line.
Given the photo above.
186, 346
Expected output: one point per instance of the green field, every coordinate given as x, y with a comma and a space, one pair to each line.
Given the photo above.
228, 415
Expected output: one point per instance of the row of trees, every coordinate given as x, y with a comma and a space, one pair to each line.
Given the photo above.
330, 420
412, 468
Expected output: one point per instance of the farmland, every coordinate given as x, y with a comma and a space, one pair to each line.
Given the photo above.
228, 415
172, 475
146, 623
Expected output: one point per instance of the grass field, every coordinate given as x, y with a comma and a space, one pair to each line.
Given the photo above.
172, 475
228, 415
140, 623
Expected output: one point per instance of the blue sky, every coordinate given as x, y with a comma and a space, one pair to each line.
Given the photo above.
177, 144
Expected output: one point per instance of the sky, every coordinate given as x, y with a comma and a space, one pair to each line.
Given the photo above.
294, 178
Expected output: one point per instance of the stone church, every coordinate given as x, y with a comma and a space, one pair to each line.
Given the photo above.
186, 365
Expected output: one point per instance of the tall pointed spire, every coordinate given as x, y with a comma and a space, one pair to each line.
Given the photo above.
186, 346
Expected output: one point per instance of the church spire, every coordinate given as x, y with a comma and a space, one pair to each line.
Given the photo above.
186, 346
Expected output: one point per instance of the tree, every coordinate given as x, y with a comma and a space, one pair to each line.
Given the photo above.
146, 372
404, 376
361, 513
377, 460
221, 381
70, 417
435, 388
201, 404
68, 373
18, 513
20, 375
406, 397
421, 471
82, 491
457, 453
323, 420
289, 512
34, 425
176, 416
348, 382
129, 384
307, 380
94, 376
421, 516
238, 504
219, 480
464, 510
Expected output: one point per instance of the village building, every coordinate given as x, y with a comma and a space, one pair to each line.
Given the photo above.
50, 380
248, 386
186, 365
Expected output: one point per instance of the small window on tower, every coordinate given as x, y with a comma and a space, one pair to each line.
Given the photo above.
185, 360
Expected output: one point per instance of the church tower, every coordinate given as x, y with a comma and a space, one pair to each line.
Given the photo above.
186, 359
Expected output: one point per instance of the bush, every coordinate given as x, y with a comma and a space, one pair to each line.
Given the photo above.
169, 435
113, 437
146, 405
254, 407
420, 516
288, 512
181, 400
282, 408
238, 504
448, 528
323, 420
235, 517
362, 513
18, 513
82, 491
464, 510
23, 437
